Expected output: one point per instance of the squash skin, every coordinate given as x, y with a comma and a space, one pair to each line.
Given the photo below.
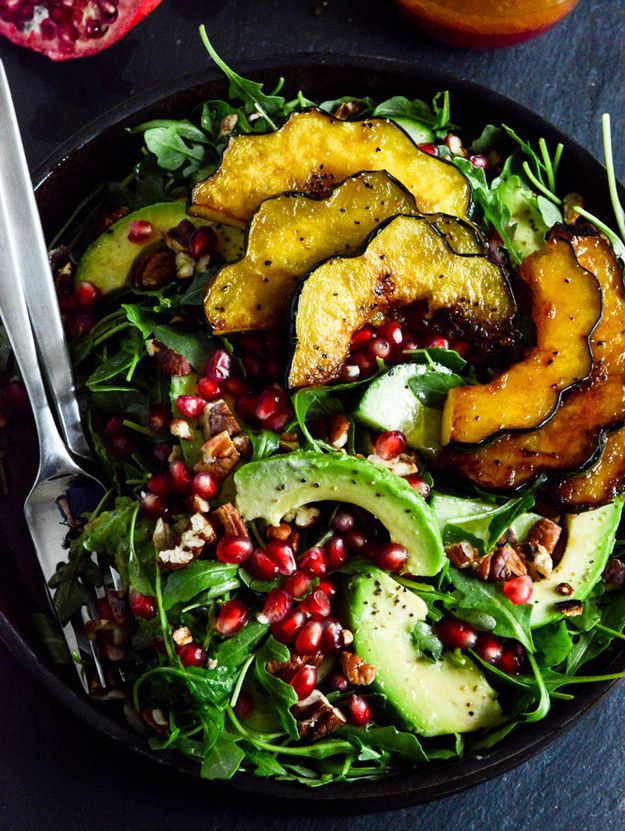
572, 440
311, 153
406, 260
566, 308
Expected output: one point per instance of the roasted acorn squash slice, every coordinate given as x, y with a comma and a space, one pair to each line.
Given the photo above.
311, 153
572, 439
566, 306
406, 260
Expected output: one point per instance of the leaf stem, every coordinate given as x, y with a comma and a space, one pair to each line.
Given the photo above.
609, 163
539, 185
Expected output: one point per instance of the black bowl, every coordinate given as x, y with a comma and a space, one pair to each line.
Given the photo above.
104, 150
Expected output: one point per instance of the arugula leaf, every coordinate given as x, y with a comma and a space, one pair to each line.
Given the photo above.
264, 443
224, 759
206, 577
194, 345
593, 642
437, 356
457, 533
398, 742
425, 641
52, 638
281, 695
435, 117
234, 652
431, 388
553, 643
503, 517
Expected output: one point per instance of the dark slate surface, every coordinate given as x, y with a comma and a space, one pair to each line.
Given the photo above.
55, 773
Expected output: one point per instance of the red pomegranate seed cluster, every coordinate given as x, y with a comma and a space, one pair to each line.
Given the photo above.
504, 654
78, 307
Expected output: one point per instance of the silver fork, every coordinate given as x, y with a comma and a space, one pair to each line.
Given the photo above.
26, 285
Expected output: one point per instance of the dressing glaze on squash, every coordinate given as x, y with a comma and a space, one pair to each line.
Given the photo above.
572, 439
566, 306
311, 153
407, 260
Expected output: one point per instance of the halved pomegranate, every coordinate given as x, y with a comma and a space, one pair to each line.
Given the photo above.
63, 29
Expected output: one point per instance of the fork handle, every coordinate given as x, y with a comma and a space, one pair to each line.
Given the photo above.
33, 267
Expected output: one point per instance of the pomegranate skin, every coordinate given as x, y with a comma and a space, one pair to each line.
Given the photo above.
79, 35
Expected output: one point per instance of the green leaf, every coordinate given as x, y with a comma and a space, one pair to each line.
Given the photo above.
234, 652
281, 695
52, 638
553, 643
398, 742
503, 517
438, 357
206, 577
431, 388
425, 641
435, 117
592, 643
264, 443
224, 759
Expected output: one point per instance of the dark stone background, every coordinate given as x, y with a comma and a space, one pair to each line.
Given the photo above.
57, 774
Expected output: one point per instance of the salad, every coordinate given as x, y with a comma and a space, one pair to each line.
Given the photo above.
353, 379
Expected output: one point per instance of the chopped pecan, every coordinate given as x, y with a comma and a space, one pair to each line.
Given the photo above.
614, 575
338, 430
219, 455
203, 527
288, 442
316, 717
569, 203
227, 521
180, 428
198, 504
503, 564
242, 444
218, 417
179, 237
113, 217
169, 361
285, 670
565, 588
156, 718
545, 533
537, 560
508, 536
461, 554
346, 109
356, 670
570, 607
305, 516
279, 532
227, 124
454, 144
182, 636
154, 271
185, 265
172, 559
163, 536
403, 465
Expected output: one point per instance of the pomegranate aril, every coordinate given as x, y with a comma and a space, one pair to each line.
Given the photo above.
317, 603
232, 618
140, 231
87, 296
203, 241
519, 590
269, 403
429, 148
254, 367
359, 710
434, 342
277, 421
233, 549
460, 346
336, 552
277, 606
142, 606
219, 365
511, 659
103, 609
343, 521
409, 345
285, 631
391, 557
67, 303
208, 389
393, 333
455, 634
273, 369
191, 655
337, 682
390, 444
246, 406
309, 638
365, 365
159, 418
488, 647
244, 706
418, 485
261, 566
314, 562
349, 373
236, 387
160, 483
379, 348
162, 452
304, 681
333, 638
357, 541
297, 584
479, 160
191, 406
328, 587
114, 427
122, 447
362, 336
81, 324
152, 506
206, 485
253, 342
180, 476
282, 555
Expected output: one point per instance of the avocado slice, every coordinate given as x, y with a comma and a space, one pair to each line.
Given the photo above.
271, 487
390, 404
431, 698
108, 261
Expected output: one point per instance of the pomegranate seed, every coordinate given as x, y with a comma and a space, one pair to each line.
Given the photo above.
203, 241
317, 603
328, 587
362, 336
269, 403
282, 555
81, 324
357, 541
277, 606
67, 303
410, 345
219, 365
205, 484
418, 485
140, 231
343, 521
160, 483
277, 421
208, 389
159, 418
122, 447
309, 638
142, 605
87, 296
460, 346
232, 618
180, 476
152, 506
191, 406
103, 609
254, 367
297, 584
390, 444
511, 659
261, 566
273, 369
393, 333
286, 630
365, 365
333, 638
252, 342
314, 562
519, 590
379, 348
162, 452
235, 386
456, 634
233, 549
392, 557
336, 552
479, 160
191, 655
434, 342
304, 681
349, 373
337, 682
429, 148
488, 647
114, 427
246, 406
245, 705
359, 710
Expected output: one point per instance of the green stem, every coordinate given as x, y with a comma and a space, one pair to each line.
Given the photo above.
162, 617
609, 631
609, 163
237, 689
544, 702
614, 238
539, 185
132, 425
547, 162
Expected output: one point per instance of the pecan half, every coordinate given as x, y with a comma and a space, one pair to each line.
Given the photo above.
227, 521
503, 564
545, 533
614, 575
569, 608
169, 361
218, 417
356, 670
461, 554
155, 271
316, 717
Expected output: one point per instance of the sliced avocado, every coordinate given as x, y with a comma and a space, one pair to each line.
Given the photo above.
109, 260
531, 228
271, 487
589, 543
432, 698
390, 404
